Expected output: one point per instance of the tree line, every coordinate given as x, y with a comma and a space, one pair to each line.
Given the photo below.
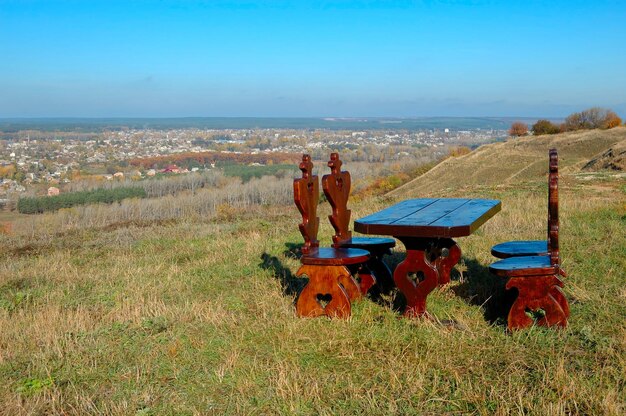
207, 203
39, 205
203, 159
592, 118
154, 187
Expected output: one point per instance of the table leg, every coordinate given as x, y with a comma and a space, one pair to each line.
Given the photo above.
449, 255
418, 259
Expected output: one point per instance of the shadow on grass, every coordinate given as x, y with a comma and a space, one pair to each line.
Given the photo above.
293, 250
478, 287
392, 298
290, 284
482, 288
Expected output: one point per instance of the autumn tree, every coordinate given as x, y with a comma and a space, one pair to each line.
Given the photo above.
7, 171
545, 127
592, 118
611, 120
518, 129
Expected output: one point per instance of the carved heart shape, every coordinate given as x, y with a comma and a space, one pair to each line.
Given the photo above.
324, 299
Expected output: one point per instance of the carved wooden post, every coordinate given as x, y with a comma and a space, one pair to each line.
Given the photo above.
306, 196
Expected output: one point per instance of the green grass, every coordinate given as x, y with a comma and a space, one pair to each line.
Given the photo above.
247, 172
197, 317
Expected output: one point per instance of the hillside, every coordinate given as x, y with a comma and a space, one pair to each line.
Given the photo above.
514, 162
194, 315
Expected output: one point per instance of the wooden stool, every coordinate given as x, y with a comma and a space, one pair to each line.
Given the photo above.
331, 286
537, 278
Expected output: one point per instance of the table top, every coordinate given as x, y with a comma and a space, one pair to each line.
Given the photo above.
430, 217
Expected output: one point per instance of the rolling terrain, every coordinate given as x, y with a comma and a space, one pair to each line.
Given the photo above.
514, 162
195, 315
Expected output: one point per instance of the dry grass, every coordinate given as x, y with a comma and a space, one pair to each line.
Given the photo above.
513, 162
196, 317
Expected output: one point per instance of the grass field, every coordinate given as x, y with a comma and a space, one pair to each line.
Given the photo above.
197, 317
246, 172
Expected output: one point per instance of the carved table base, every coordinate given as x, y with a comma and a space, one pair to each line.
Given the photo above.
433, 259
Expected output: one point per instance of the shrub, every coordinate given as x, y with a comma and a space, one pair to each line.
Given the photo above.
611, 120
459, 151
545, 127
592, 118
518, 129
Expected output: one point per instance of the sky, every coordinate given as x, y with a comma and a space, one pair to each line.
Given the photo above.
341, 58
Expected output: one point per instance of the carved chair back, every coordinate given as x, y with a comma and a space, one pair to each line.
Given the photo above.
553, 208
336, 187
306, 198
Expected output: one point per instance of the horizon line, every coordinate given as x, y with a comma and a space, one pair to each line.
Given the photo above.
272, 117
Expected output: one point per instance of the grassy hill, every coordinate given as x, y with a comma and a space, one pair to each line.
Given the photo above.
514, 162
195, 316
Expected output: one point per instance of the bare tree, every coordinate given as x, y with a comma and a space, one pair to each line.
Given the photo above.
592, 118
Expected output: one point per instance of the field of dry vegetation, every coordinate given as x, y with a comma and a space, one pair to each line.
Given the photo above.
193, 313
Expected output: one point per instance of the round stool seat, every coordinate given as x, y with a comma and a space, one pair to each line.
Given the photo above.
370, 243
327, 256
527, 266
520, 248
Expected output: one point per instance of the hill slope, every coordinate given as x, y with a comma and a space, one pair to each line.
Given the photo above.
195, 315
513, 162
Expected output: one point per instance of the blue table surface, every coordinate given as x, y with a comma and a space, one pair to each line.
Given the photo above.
430, 217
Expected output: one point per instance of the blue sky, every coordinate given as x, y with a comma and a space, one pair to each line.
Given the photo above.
310, 58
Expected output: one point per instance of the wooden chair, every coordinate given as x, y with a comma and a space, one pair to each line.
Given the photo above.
530, 247
336, 187
331, 286
537, 277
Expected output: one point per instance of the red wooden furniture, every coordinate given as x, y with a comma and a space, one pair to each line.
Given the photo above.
427, 227
336, 187
331, 286
537, 277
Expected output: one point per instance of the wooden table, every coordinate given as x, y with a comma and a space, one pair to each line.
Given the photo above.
427, 227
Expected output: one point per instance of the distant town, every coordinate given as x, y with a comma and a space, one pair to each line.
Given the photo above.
33, 158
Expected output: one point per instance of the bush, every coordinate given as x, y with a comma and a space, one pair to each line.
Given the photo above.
518, 129
459, 151
38, 205
592, 118
545, 127
611, 120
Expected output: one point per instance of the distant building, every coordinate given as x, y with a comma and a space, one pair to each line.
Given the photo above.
53, 191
